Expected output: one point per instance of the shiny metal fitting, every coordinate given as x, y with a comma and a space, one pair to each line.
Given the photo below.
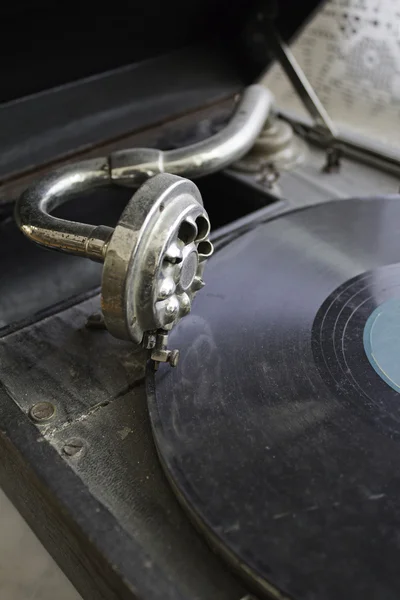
276, 146
154, 258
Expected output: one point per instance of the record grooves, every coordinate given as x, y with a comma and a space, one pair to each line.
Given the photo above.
279, 435
338, 347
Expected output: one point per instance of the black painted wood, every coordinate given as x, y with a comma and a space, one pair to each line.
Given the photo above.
86, 540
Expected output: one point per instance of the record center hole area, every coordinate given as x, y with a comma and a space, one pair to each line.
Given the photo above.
382, 342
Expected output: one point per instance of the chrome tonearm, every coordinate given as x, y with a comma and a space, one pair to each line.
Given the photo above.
154, 258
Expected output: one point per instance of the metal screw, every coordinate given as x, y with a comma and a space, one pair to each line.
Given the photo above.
73, 447
173, 358
168, 356
42, 412
269, 175
333, 160
149, 340
96, 321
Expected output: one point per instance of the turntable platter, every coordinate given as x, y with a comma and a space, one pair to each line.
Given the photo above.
280, 429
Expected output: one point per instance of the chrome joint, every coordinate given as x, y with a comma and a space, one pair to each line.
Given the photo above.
154, 258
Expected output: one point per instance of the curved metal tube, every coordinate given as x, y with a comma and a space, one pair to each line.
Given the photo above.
131, 168
33, 208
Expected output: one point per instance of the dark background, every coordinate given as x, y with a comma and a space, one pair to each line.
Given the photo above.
45, 45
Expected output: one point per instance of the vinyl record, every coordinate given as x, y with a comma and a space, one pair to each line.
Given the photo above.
280, 428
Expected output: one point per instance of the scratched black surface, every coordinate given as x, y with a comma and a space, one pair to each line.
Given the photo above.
286, 475
59, 360
338, 346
